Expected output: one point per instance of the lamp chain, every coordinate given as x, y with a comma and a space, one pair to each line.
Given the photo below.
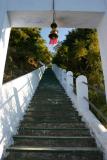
53, 11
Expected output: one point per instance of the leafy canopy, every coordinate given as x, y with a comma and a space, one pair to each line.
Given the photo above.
26, 51
80, 53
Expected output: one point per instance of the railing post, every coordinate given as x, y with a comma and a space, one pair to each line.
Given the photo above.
57, 72
61, 80
1, 98
60, 74
82, 91
69, 83
64, 78
54, 68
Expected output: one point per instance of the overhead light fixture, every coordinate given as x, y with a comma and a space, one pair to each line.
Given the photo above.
54, 32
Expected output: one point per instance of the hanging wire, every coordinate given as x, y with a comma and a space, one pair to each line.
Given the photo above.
53, 10
54, 32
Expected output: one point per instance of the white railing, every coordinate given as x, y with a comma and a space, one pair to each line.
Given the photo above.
81, 102
66, 80
15, 97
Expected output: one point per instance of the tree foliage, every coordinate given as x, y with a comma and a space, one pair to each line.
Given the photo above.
26, 49
82, 55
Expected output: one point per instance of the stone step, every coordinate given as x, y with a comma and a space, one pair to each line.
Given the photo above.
44, 102
44, 125
54, 128
54, 153
53, 92
52, 116
50, 109
64, 105
53, 112
50, 113
56, 141
61, 97
52, 149
52, 106
54, 131
48, 99
56, 89
38, 121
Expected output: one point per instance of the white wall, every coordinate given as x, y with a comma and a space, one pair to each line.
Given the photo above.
102, 33
2, 10
72, 5
15, 97
4, 39
80, 5
29, 5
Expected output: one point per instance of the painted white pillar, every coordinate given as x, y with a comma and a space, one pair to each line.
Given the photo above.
102, 33
60, 74
69, 83
64, 78
82, 91
4, 39
54, 68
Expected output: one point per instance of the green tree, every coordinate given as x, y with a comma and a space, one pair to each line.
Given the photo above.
26, 49
83, 56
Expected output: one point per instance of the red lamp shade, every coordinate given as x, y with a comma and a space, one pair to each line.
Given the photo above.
53, 41
53, 34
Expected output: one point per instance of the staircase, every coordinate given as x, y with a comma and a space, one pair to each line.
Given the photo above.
52, 128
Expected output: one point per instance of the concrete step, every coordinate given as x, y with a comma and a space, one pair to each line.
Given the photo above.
44, 96
54, 141
67, 107
64, 105
55, 93
50, 99
52, 108
54, 153
50, 113
45, 108
51, 119
54, 131
51, 116
50, 124
44, 102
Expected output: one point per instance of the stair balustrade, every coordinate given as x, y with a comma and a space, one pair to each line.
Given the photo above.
14, 100
80, 99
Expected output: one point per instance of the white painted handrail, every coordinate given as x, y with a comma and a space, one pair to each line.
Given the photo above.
82, 91
82, 105
16, 96
69, 83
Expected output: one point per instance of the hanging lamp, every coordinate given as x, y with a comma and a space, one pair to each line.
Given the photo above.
54, 32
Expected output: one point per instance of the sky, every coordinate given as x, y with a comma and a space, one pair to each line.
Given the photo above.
62, 32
